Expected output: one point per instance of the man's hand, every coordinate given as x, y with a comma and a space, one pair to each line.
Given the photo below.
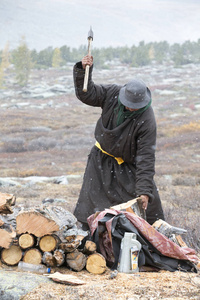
145, 200
87, 60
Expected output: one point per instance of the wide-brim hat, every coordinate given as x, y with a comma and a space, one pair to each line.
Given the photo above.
135, 94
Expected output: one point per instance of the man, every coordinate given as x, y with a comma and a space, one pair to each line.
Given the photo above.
121, 165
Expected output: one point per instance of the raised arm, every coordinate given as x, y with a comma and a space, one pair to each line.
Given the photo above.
95, 94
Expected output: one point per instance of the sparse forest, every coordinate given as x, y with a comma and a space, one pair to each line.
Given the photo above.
144, 54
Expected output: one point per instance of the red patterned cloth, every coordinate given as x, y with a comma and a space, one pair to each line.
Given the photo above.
158, 240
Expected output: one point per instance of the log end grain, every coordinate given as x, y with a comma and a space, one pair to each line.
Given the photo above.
48, 243
33, 256
11, 256
35, 223
96, 264
6, 238
26, 241
76, 260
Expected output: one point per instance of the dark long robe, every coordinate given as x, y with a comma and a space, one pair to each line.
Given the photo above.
106, 183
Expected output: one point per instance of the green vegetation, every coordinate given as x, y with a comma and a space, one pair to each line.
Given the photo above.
135, 56
4, 63
21, 58
56, 59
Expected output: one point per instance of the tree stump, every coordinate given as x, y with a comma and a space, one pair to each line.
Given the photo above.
27, 240
33, 256
96, 264
49, 243
76, 260
11, 256
35, 223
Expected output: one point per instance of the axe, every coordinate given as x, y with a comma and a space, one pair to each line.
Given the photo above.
90, 39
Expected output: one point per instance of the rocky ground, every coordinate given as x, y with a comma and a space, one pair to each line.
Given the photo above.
47, 132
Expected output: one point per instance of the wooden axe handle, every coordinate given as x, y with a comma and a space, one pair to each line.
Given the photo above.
85, 84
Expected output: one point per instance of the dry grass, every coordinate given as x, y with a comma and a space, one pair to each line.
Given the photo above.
162, 285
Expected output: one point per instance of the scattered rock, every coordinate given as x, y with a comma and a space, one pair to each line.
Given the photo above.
32, 180
61, 180
55, 200
14, 285
6, 182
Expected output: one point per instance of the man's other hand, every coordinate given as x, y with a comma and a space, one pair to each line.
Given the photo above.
145, 200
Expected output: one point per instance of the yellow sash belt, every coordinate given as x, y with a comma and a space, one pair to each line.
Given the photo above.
118, 159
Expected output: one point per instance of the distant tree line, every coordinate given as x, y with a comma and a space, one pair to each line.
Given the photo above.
25, 59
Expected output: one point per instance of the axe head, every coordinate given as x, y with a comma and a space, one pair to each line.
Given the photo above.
90, 34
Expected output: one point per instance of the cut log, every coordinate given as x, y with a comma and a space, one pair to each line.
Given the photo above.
180, 241
66, 279
35, 223
1, 223
89, 248
33, 256
56, 259
48, 259
10, 219
27, 240
80, 237
167, 229
132, 206
62, 217
69, 247
76, 260
96, 264
11, 256
124, 206
6, 201
6, 238
49, 243
59, 256
70, 238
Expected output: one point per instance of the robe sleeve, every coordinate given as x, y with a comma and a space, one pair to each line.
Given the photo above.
95, 95
145, 158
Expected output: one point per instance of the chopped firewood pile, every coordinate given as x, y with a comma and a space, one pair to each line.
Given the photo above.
49, 235
45, 235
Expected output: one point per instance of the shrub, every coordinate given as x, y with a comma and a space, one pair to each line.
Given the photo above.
14, 145
42, 143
